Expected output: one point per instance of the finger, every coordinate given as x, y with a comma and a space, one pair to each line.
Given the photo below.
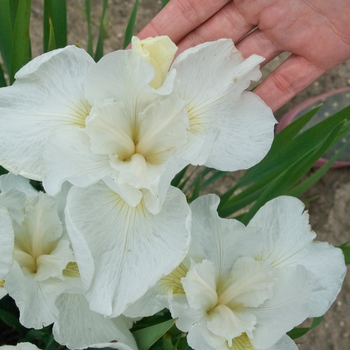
292, 76
258, 43
226, 23
180, 17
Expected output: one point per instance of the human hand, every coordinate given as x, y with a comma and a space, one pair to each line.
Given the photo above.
316, 32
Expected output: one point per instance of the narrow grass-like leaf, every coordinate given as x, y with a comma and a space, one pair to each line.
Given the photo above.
197, 188
52, 40
208, 175
164, 2
299, 332
199, 173
56, 10
6, 27
146, 337
187, 181
281, 157
316, 176
256, 173
217, 174
2, 77
101, 35
20, 54
346, 251
279, 149
244, 199
293, 174
88, 22
178, 177
129, 32
13, 10
255, 191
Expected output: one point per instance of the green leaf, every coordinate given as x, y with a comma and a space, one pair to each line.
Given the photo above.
346, 251
13, 10
282, 156
129, 32
167, 343
299, 332
146, 337
20, 51
183, 344
297, 191
56, 10
217, 175
2, 78
88, 21
99, 45
197, 188
281, 150
52, 40
6, 28
186, 180
9, 319
178, 177
293, 174
164, 2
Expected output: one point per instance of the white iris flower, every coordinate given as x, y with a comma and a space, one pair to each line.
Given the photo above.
126, 121
119, 130
41, 274
245, 287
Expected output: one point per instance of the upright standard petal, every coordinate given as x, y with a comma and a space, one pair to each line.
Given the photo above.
47, 96
132, 248
160, 52
136, 127
229, 129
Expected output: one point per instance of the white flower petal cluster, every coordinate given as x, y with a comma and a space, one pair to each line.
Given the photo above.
40, 270
127, 121
118, 131
244, 287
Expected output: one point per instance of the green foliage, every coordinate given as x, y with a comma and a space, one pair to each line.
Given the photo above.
164, 2
6, 29
2, 78
88, 22
129, 32
299, 332
146, 337
346, 251
52, 40
284, 168
55, 24
20, 49
99, 46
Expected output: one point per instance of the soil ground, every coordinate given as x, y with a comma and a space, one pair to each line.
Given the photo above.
329, 212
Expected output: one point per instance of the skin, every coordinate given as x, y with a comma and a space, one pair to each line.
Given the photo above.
316, 32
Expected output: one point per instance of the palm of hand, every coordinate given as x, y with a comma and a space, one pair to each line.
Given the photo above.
316, 32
